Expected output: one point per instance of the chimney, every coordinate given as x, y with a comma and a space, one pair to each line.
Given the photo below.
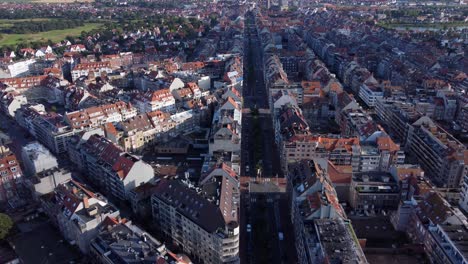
85, 202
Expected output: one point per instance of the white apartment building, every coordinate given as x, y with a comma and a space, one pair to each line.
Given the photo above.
94, 68
370, 93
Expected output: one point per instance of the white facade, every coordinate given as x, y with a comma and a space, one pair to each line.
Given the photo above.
77, 73
14, 104
370, 95
150, 106
20, 68
141, 172
464, 192
37, 158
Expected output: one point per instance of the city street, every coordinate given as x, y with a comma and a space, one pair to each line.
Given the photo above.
17, 134
266, 217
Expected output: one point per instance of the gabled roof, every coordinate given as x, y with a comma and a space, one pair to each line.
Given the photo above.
230, 104
386, 143
221, 169
123, 165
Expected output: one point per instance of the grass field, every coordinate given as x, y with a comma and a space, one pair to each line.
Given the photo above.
53, 35
7, 23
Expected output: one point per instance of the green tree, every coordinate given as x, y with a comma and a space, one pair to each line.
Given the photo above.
5, 225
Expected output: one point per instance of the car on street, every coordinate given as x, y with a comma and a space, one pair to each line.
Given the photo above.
249, 228
280, 236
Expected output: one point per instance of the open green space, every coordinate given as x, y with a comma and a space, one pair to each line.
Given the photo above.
53, 35
8, 23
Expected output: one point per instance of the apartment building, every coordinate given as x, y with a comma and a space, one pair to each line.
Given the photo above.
115, 172
197, 225
78, 212
46, 181
52, 132
356, 122
319, 221
226, 128
448, 243
137, 132
22, 83
398, 116
441, 155
440, 227
373, 155
331, 240
408, 176
10, 176
96, 116
463, 203
370, 91
11, 101
155, 100
26, 114
91, 69
312, 192
309, 147
462, 117
289, 123
126, 243
373, 192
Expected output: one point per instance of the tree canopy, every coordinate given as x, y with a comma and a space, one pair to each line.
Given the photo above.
5, 225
